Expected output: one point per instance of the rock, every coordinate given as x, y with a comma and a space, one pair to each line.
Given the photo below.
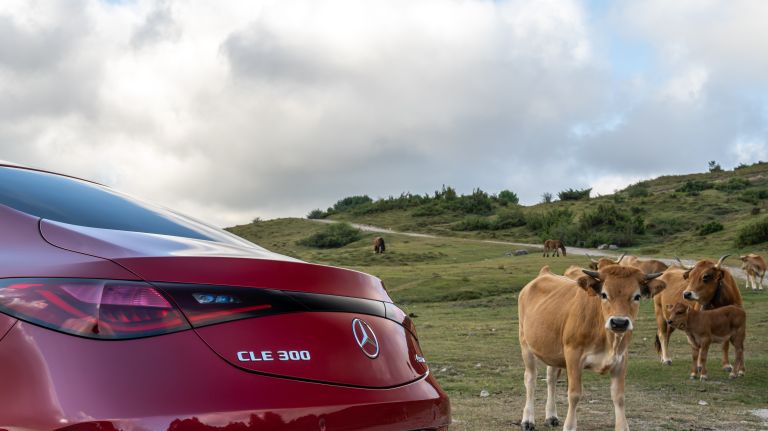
484, 394
602, 247
521, 252
444, 369
478, 365
509, 253
703, 403
613, 247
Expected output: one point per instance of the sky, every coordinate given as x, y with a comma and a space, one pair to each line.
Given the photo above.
233, 110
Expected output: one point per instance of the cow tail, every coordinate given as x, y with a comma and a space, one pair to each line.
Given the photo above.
658, 344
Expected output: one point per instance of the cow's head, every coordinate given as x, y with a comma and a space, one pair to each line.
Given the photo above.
620, 289
704, 280
678, 315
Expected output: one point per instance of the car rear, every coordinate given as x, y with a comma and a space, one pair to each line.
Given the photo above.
111, 328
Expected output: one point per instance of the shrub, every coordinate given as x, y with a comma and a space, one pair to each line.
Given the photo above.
609, 223
753, 233
693, 187
574, 195
335, 235
710, 227
639, 190
473, 223
546, 198
478, 203
714, 166
732, 185
430, 209
317, 214
351, 202
664, 226
508, 197
755, 211
508, 219
753, 196
543, 222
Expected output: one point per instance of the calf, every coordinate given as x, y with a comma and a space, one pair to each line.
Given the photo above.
580, 324
596, 264
754, 265
553, 245
648, 266
721, 325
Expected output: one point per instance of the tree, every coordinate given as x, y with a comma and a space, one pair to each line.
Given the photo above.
714, 166
509, 197
546, 198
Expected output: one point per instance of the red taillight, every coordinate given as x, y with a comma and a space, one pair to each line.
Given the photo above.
101, 309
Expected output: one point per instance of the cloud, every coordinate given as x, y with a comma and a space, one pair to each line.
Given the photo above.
235, 110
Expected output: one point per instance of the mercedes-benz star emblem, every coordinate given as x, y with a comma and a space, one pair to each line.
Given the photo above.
365, 338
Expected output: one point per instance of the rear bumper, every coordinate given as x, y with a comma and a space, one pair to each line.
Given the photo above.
175, 382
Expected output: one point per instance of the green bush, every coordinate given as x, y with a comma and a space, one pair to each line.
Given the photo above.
710, 227
508, 197
732, 185
753, 233
317, 214
430, 209
693, 187
335, 235
509, 219
543, 221
471, 223
753, 196
351, 202
478, 203
639, 190
574, 195
663, 226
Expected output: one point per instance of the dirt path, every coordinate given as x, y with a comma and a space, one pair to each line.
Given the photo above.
737, 272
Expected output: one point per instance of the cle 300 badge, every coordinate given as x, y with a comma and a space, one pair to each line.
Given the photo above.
269, 355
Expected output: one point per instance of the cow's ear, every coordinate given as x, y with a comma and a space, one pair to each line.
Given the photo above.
651, 288
591, 285
686, 274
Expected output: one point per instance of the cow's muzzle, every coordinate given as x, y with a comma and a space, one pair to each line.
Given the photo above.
619, 324
690, 295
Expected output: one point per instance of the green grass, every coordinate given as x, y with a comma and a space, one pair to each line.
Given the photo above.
464, 296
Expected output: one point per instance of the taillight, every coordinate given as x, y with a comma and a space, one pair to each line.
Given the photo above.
100, 309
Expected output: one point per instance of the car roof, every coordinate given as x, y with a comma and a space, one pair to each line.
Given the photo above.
7, 164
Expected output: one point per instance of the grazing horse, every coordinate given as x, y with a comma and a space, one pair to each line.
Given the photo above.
378, 245
553, 245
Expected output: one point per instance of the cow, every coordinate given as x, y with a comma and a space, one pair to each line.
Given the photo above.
596, 264
721, 325
712, 286
378, 245
754, 265
676, 283
648, 266
580, 324
554, 246
574, 272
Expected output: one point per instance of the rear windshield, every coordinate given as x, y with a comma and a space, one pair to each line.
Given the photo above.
68, 200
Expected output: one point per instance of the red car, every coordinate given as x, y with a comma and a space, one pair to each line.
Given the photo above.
116, 314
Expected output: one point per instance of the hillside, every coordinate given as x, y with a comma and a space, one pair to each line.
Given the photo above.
677, 214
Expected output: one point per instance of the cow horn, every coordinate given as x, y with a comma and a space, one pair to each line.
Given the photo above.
649, 277
682, 265
590, 258
722, 259
593, 274
621, 257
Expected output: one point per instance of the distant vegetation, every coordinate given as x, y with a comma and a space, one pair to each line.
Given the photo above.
333, 236
753, 233
668, 209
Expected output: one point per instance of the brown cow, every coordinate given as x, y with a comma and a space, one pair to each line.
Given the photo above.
580, 324
553, 245
722, 325
573, 272
648, 266
596, 264
712, 287
676, 283
754, 265
378, 245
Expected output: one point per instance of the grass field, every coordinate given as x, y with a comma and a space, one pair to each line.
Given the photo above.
464, 296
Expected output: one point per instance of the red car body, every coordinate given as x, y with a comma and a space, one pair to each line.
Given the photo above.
125, 328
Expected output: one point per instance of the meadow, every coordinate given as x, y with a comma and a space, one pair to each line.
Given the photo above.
463, 293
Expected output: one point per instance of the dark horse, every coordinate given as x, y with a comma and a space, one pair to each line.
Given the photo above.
552, 245
378, 245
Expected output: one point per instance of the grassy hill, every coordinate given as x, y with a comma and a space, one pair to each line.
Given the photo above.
679, 214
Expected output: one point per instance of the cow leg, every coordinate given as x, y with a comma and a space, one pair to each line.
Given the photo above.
529, 418
702, 363
726, 363
553, 373
617, 395
694, 359
762, 276
573, 368
663, 332
738, 344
